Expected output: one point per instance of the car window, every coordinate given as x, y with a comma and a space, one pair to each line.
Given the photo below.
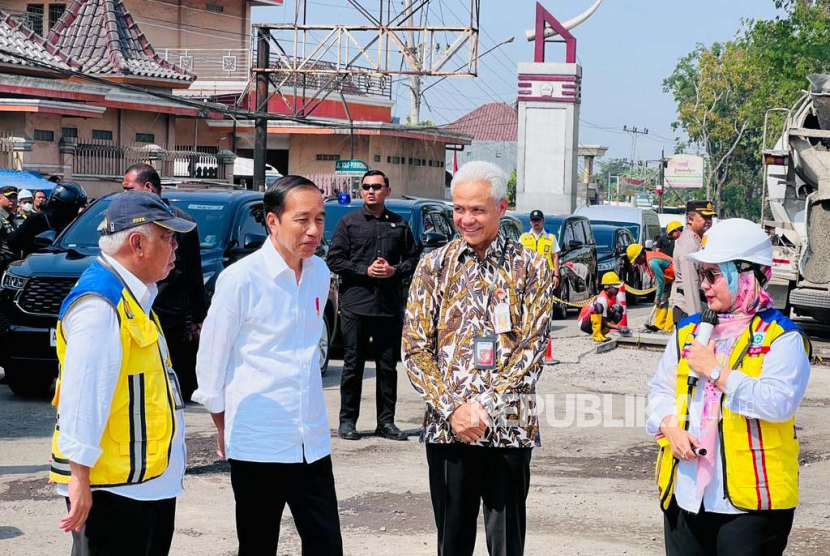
434, 222
579, 232
211, 218
630, 226
251, 221
589, 233
509, 229
569, 234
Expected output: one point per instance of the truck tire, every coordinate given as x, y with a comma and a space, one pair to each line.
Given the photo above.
33, 382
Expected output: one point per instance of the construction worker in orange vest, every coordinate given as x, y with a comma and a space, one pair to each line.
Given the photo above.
661, 267
604, 314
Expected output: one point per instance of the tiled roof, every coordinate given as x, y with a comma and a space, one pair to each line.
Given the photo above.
497, 121
105, 38
16, 38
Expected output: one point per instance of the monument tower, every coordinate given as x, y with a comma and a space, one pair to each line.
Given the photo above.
549, 99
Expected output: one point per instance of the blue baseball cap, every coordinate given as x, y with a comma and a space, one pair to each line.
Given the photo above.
136, 208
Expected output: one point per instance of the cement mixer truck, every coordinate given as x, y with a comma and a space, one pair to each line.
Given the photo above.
797, 192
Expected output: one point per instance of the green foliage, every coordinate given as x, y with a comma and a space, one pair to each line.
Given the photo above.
723, 92
511, 189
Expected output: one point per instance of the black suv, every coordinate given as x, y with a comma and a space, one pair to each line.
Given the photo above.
430, 220
577, 257
231, 226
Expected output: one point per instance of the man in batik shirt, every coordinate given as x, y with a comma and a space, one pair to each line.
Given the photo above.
474, 334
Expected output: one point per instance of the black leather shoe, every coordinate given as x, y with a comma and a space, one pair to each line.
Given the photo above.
347, 431
390, 432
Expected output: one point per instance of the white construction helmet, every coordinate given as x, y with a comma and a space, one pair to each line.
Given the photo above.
24, 194
735, 239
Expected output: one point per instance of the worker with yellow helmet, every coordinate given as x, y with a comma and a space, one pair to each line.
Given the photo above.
604, 314
660, 267
666, 242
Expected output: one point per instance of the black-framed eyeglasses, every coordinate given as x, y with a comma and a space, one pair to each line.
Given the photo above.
709, 275
372, 186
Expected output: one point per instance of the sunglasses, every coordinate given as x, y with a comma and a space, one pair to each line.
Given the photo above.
372, 186
709, 275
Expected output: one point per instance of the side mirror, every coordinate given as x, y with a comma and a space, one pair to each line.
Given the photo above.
44, 239
434, 240
649, 244
253, 241
574, 244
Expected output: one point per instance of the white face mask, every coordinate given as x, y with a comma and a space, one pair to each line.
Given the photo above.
27, 206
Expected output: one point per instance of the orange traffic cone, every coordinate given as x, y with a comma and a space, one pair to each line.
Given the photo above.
622, 302
549, 360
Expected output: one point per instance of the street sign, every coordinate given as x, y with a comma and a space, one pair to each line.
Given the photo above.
353, 168
685, 171
644, 200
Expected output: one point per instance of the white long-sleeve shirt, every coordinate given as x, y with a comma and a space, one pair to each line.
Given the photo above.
258, 359
90, 374
774, 396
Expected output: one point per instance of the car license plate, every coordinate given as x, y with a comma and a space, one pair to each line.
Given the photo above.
53, 337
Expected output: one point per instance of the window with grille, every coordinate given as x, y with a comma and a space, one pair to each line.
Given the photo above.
44, 135
70, 132
102, 134
145, 138
34, 18
328, 157
216, 8
55, 13
377, 158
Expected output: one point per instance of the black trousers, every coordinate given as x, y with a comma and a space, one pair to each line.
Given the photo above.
461, 477
762, 533
119, 526
262, 490
183, 355
386, 333
678, 315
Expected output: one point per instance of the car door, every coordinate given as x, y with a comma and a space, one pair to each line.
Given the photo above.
582, 261
567, 257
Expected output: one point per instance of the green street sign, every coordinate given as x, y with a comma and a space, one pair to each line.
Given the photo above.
350, 167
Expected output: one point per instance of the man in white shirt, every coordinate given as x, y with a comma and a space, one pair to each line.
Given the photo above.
259, 376
118, 451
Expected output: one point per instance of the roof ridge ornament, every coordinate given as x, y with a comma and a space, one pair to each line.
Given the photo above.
547, 27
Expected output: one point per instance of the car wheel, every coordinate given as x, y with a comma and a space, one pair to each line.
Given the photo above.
33, 382
560, 310
324, 346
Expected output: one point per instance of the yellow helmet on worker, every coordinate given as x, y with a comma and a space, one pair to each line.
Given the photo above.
611, 279
633, 252
672, 226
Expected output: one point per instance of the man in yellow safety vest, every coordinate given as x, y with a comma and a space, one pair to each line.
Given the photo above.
540, 240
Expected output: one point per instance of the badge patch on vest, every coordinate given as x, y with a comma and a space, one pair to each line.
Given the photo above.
756, 346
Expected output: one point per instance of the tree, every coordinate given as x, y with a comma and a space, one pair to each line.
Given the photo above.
713, 88
511, 189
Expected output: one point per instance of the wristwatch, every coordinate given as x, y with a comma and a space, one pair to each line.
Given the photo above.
714, 375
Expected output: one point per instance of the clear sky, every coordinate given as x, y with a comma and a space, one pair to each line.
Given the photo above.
626, 50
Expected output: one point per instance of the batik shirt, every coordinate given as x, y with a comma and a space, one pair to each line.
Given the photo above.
446, 310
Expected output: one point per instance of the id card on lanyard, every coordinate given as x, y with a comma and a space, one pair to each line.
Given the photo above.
485, 347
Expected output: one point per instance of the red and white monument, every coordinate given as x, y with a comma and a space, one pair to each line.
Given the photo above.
549, 99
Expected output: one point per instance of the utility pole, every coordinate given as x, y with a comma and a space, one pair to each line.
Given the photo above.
414, 80
634, 132
263, 52
662, 183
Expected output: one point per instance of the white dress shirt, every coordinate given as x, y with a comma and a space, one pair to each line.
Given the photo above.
90, 373
774, 396
259, 360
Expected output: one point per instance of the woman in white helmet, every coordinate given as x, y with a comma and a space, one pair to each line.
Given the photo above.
727, 469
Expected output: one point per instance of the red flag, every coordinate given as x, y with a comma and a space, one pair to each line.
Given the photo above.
454, 162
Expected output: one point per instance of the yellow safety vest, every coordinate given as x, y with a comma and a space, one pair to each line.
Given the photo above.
543, 245
138, 435
759, 458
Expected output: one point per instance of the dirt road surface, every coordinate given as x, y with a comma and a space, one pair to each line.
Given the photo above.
592, 489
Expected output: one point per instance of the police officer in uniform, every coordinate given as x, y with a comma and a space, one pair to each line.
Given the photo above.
8, 206
64, 204
687, 297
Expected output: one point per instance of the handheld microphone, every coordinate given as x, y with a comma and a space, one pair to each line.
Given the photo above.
708, 321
